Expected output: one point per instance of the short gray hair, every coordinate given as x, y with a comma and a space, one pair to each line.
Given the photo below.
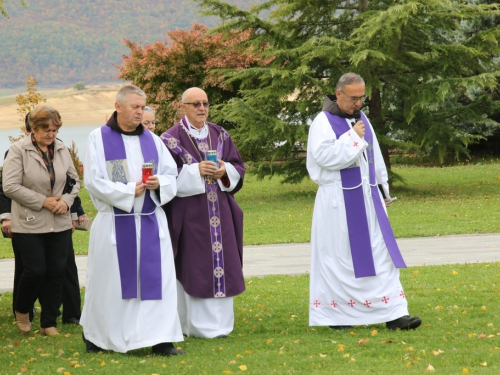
127, 90
348, 79
149, 109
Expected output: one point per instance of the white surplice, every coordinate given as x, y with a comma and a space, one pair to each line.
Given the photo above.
109, 321
336, 297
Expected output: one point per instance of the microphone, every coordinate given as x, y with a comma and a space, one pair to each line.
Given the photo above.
357, 115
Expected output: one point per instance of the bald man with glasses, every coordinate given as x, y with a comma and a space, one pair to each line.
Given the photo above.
355, 259
205, 222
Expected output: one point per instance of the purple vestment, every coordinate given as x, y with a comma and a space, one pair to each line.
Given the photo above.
126, 242
359, 236
206, 229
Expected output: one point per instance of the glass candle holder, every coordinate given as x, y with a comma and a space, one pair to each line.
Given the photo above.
147, 171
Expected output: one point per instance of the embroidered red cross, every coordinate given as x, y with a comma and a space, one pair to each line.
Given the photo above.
351, 303
333, 304
317, 303
385, 299
402, 294
355, 144
367, 303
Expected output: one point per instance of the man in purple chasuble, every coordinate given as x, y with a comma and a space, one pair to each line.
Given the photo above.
131, 292
205, 222
355, 259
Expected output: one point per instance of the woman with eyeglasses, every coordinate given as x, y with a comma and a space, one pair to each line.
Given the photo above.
34, 177
148, 119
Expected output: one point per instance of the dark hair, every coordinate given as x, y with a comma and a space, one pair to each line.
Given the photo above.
27, 122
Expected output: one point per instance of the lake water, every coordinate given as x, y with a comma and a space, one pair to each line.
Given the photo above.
79, 134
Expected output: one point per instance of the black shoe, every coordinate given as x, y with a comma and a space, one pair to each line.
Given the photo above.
166, 349
221, 337
91, 347
404, 323
71, 321
338, 328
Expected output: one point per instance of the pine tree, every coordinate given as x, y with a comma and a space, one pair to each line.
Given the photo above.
431, 82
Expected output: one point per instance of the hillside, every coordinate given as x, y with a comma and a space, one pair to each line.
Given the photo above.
62, 42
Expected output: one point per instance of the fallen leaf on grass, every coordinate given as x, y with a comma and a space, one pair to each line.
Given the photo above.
362, 341
60, 369
243, 367
374, 332
24, 369
484, 364
437, 352
481, 336
226, 371
233, 362
483, 308
61, 352
430, 368
322, 355
455, 273
465, 371
341, 347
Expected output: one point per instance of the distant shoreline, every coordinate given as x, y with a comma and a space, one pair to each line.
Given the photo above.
92, 105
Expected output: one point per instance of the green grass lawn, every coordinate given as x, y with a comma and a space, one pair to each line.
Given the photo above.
457, 303
432, 202
460, 334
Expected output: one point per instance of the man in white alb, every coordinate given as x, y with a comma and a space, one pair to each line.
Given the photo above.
355, 259
131, 293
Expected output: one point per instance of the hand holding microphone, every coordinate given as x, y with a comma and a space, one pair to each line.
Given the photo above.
359, 126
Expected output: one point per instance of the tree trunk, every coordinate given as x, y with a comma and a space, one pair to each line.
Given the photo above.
362, 5
377, 121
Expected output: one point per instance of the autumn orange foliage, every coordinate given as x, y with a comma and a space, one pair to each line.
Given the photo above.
193, 57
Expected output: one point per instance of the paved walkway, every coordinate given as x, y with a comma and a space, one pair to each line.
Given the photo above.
295, 258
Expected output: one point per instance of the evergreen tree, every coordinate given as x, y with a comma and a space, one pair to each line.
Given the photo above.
164, 70
430, 81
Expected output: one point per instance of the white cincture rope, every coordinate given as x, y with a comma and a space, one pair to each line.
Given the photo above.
134, 214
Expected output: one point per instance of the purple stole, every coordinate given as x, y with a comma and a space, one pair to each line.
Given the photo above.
125, 229
212, 201
357, 222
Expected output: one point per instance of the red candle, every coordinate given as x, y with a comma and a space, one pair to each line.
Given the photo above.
147, 171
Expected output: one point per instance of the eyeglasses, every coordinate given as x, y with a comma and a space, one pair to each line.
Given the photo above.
354, 99
198, 104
